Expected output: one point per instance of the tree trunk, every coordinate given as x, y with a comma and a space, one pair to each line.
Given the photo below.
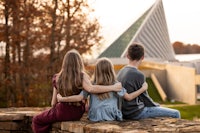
52, 41
7, 75
68, 27
26, 62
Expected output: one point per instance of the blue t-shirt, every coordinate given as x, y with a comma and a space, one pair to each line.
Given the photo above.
106, 109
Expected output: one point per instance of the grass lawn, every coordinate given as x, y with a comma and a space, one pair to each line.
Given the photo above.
190, 112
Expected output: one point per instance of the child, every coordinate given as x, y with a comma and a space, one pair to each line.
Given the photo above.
104, 106
132, 78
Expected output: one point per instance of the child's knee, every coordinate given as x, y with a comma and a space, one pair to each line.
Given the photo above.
178, 115
35, 119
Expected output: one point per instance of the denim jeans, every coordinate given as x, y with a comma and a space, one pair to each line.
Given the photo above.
151, 112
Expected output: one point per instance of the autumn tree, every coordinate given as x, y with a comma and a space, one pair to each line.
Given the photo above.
19, 39
181, 48
178, 47
5, 38
36, 35
72, 27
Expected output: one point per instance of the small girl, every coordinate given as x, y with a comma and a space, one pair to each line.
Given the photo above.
104, 106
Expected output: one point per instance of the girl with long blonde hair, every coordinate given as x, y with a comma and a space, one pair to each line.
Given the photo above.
71, 80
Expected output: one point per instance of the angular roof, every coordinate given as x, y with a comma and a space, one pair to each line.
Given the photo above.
117, 48
150, 30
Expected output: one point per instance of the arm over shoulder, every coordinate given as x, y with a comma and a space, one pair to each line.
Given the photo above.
87, 85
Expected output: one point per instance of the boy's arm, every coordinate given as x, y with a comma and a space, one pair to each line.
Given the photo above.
131, 96
87, 85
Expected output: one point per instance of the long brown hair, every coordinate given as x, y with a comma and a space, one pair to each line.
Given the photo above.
104, 75
71, 74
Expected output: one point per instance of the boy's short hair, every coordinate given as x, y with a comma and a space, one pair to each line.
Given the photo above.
135, 51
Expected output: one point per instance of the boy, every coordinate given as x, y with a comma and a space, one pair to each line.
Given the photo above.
131, 78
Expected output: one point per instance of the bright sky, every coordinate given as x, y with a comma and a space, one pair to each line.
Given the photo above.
182, 16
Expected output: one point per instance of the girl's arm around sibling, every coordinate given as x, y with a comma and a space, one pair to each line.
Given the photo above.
83, 95
89, 87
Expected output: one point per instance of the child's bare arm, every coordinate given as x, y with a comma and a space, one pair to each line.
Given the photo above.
131, 96
54, 100
87, 85
73, 98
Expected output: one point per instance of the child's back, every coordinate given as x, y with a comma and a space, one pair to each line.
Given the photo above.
105, 109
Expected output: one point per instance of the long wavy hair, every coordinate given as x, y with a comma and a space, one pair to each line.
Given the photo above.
104, 75
71, 75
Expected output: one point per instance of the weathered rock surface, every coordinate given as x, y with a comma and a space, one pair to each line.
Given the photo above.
18, 120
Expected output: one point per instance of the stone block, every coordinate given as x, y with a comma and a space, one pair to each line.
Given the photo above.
11, 116
11, 124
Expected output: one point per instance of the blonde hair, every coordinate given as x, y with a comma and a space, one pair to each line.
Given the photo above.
71, 75
104, 75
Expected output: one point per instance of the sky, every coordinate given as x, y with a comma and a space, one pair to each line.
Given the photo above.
182, 16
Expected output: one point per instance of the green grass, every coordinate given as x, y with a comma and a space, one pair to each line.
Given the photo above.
189, 112
153, 93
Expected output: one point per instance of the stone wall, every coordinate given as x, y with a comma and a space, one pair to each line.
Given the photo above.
178, 82
18, 120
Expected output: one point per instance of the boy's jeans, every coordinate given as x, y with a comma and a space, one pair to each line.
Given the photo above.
151, 112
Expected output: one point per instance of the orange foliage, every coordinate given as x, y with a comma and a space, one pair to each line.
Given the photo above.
181, 48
